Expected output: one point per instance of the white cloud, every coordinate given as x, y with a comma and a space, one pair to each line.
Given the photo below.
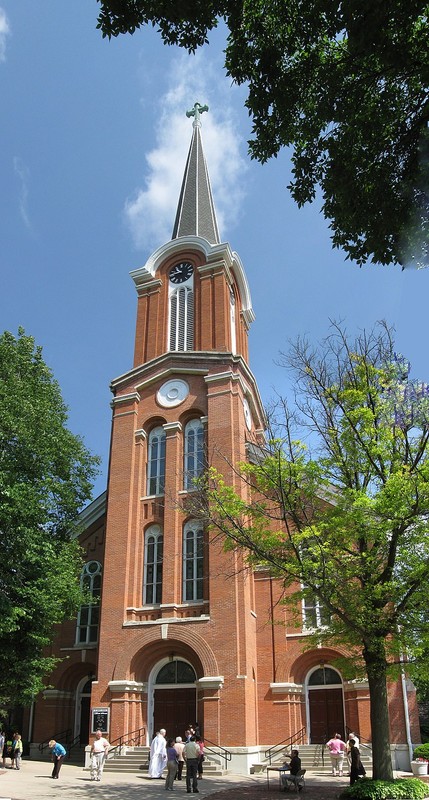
23, 174
151, 211
4, 33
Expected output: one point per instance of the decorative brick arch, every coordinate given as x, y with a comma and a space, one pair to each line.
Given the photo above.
312, 658
179, 640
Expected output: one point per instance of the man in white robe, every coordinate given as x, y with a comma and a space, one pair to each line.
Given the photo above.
158, 755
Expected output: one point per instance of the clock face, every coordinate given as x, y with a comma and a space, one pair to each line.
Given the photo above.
181, 272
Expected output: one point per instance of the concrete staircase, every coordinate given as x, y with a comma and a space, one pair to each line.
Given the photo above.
315, 758
136, 759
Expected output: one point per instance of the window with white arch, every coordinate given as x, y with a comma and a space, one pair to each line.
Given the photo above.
156, 461
194, 452
88, 616
152, 580
193, 561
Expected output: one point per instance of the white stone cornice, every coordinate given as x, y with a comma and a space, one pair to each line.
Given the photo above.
140, 435
57, 694
131, 397
287, 688
127, 686
172, 427
211, 682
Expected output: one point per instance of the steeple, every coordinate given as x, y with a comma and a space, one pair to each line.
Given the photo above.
196, 214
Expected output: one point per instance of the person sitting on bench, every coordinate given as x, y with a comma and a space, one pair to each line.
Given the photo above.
294, 766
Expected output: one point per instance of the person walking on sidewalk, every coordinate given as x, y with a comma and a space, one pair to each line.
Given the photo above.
99, 750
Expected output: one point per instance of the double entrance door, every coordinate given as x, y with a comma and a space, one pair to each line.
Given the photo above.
326, 714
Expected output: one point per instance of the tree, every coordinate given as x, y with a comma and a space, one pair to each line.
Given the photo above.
45, 478
346, 85
343, 518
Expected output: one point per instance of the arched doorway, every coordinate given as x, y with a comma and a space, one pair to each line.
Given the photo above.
83, 705
174, 697
325, 704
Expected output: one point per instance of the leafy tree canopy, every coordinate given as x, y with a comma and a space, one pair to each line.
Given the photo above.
336, 505
45, 478
344, 84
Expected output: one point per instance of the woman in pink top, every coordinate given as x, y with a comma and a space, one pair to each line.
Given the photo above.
336, 748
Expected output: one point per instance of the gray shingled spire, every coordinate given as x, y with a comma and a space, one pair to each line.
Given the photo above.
196, 214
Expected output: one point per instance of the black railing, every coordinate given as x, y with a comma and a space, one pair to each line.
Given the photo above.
286, 745
135, 738
224, 754
63, 738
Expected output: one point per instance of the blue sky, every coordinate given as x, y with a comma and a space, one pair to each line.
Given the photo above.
93, 141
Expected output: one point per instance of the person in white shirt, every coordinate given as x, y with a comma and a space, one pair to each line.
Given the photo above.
348, 746
99, 750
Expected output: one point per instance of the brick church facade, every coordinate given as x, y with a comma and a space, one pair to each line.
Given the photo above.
183, 632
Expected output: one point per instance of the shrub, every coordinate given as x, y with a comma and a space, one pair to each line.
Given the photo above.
422, 751
401, 789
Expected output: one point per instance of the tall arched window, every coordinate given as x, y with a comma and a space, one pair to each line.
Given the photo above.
193, 561
152, 582
194, 452
232, 320
88, 617
181, 302
156, 461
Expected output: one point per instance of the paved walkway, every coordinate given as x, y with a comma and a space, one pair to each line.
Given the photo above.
34, 782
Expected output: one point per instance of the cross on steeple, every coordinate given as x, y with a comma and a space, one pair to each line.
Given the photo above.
196, 112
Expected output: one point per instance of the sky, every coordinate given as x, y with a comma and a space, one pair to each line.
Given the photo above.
93, 142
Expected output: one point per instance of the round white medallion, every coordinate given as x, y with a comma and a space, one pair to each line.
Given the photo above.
172, 393
247, 414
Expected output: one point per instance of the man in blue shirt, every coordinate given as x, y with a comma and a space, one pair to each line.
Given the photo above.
58, 756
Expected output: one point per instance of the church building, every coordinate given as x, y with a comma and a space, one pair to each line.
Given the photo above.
183, 632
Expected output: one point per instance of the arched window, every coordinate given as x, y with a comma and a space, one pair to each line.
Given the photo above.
156, 461
232, 319
193, 561
181, 336
176, 671
88, 617
194, 453
152, 582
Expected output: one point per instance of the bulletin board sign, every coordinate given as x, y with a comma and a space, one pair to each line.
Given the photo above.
100, 720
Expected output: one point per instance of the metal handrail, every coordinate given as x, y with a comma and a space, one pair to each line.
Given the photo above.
286, 744
220, 751
132, 738
63, 737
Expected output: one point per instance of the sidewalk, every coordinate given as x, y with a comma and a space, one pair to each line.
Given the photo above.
34, 782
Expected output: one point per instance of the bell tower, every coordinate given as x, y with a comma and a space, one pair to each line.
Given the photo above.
170, 594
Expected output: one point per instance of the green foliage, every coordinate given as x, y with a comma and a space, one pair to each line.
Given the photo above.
422, 751
401, 789
343, 520
346, 85
45, 478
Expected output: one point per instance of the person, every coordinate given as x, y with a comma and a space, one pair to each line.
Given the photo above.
58, 756
200, 744
99, 750
356, 767
336, 748
191, 753
294, 766
171, 765
348, 746
2, 740
7, 748
16, 751
179, 747
158, 755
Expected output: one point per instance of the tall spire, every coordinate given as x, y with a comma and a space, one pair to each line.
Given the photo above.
196, 214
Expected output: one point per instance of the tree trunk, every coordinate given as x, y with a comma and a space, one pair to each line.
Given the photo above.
376, 671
